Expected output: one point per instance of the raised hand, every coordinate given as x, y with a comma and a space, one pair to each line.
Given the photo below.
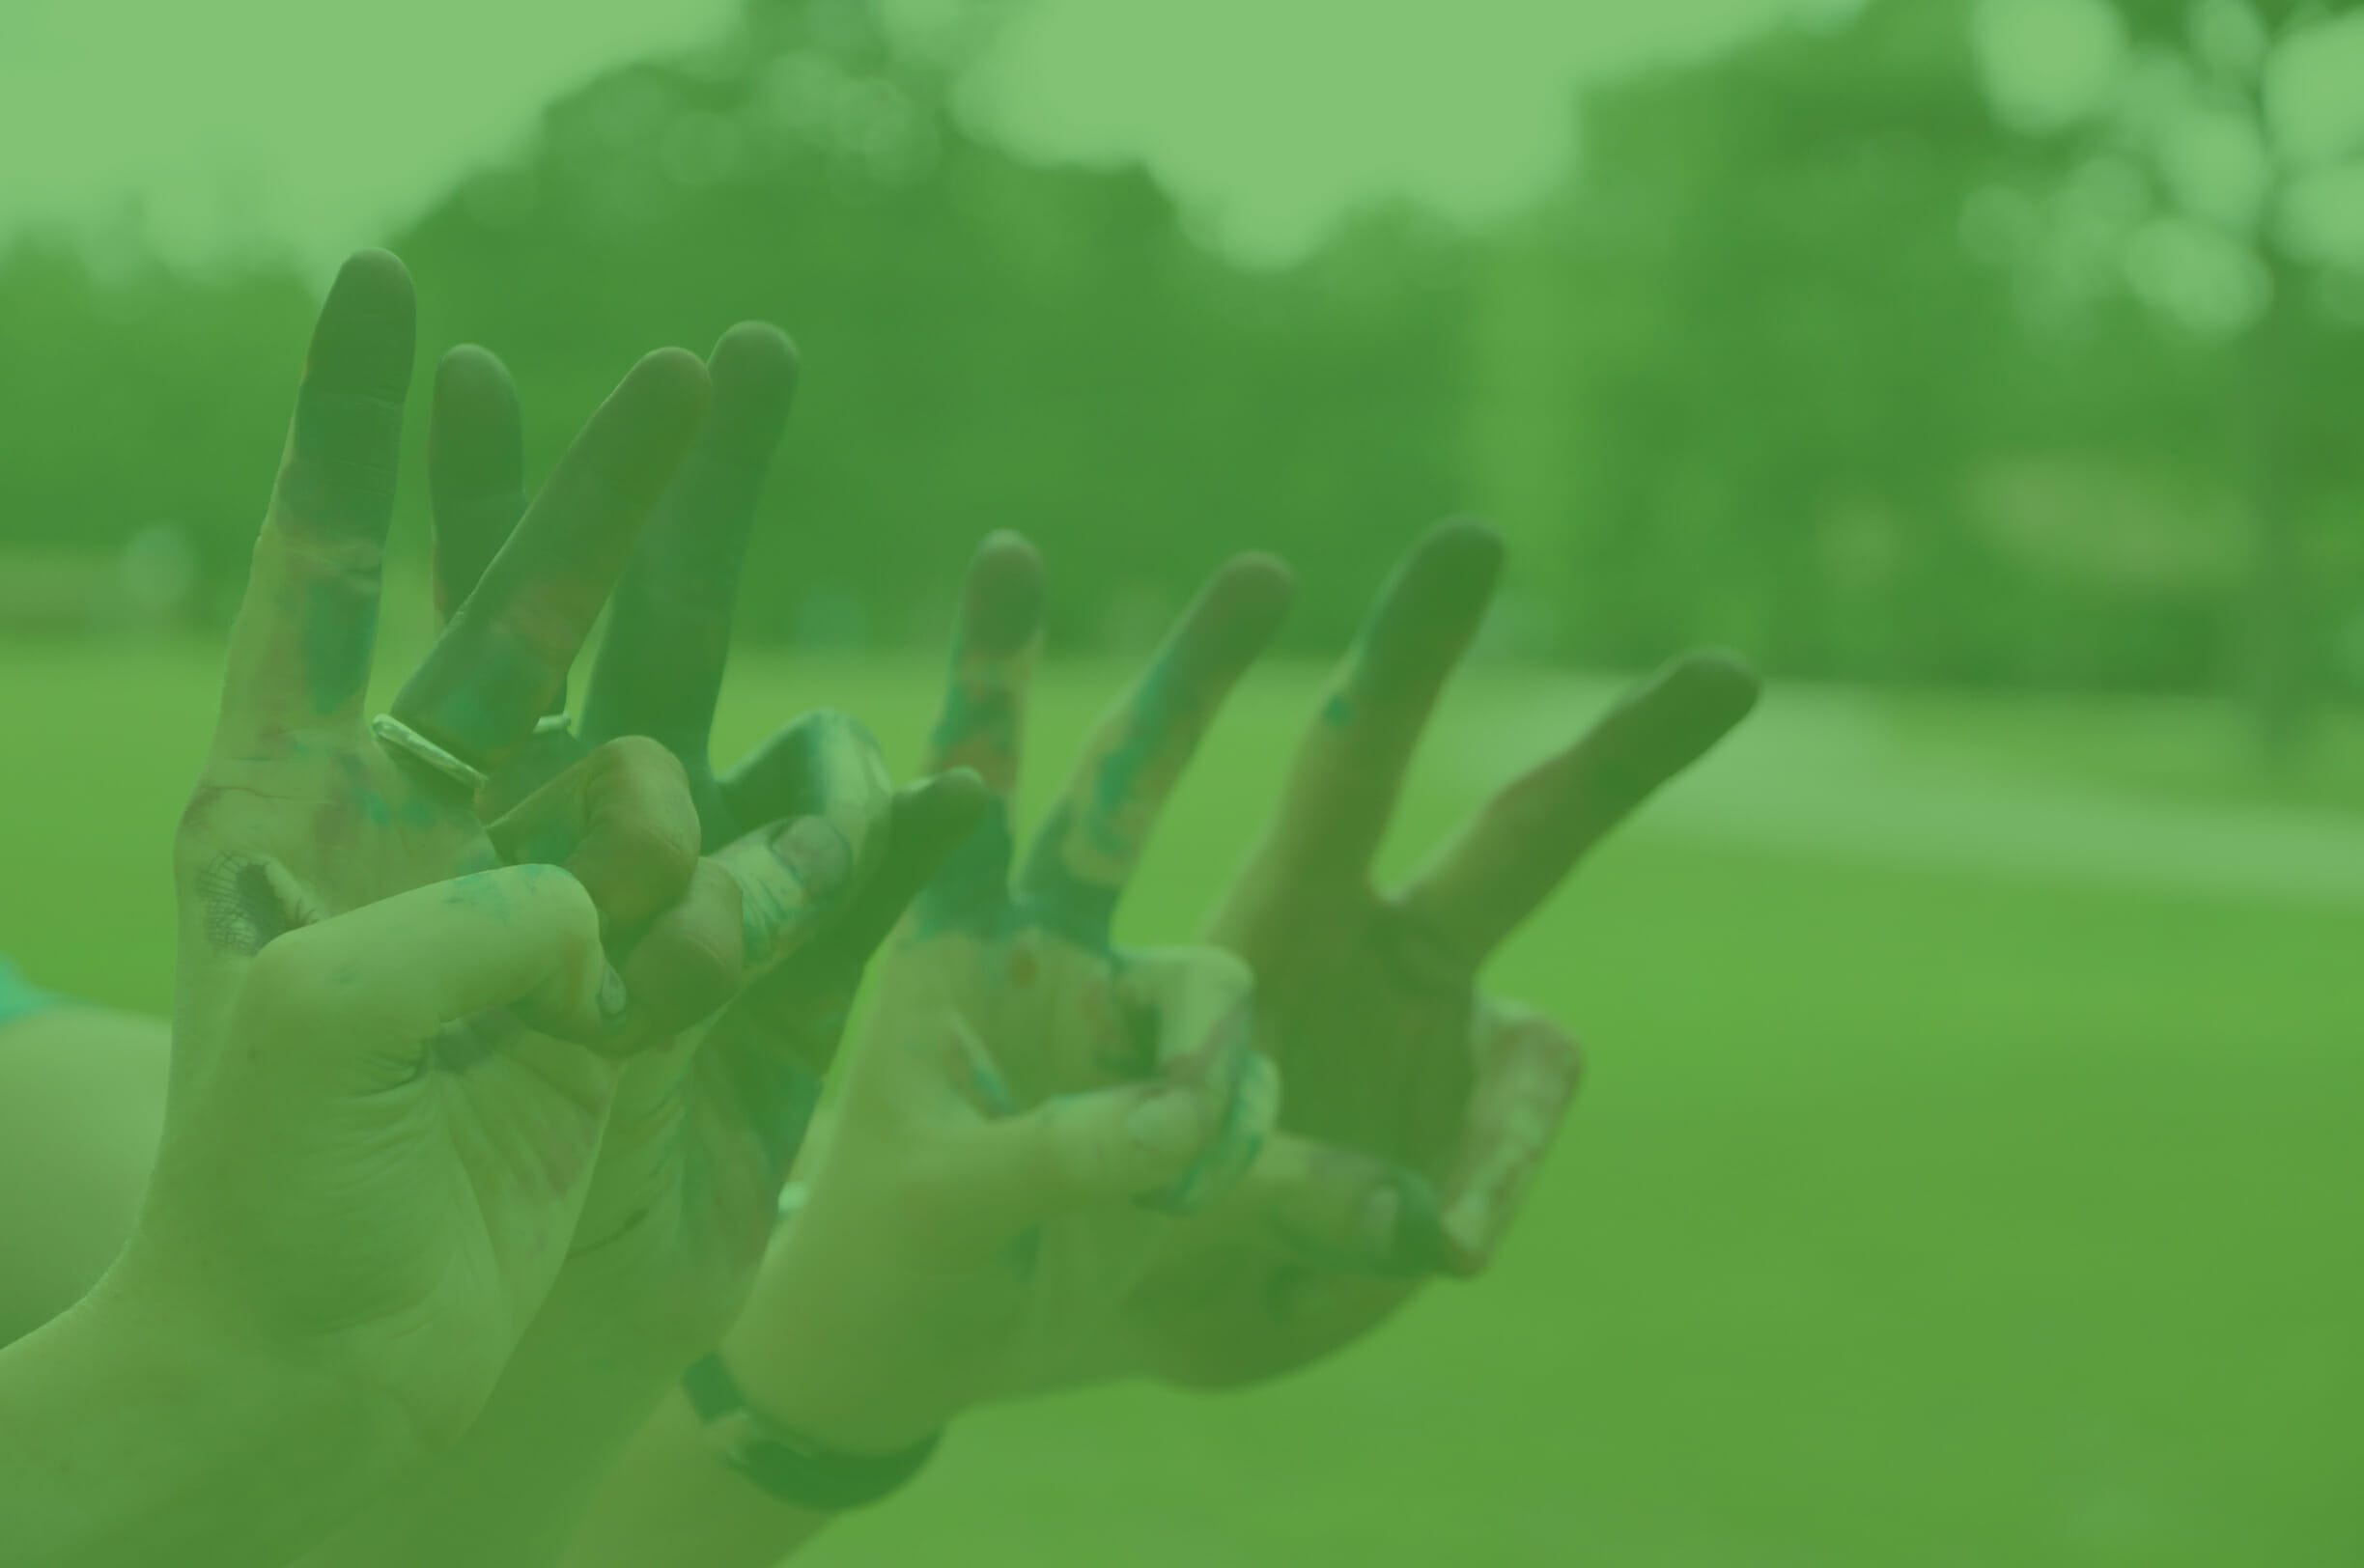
1417, 1107
393, 1199
813, 854
1031, 1104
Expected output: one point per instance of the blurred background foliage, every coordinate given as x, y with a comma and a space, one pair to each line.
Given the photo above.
1976, 342
1967, 1174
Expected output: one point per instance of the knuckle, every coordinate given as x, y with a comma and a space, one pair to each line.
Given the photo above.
687, 972
645, 760
650, 853
558, 897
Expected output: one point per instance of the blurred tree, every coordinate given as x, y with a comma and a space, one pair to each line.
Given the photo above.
988, 342
138, 398
2236, 126
1768, 361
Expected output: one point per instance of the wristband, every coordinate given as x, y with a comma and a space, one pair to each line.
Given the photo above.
793, 1468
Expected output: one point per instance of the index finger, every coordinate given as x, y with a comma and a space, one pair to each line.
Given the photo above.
1087, 851
498, 666
300, 650
1350, 770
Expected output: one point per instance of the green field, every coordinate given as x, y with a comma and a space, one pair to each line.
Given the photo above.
1970, 1171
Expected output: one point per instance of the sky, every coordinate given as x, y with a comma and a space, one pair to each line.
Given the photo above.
312, 127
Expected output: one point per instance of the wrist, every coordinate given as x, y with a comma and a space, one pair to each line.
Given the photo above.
794, 1372
176, 1333
141, 1434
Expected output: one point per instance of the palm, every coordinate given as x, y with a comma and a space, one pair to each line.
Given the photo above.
1028, 963
1417, 1107
1374, 1023
1032, 1106
463, 1164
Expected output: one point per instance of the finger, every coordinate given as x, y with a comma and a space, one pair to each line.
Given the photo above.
476, 478
1336, 1211
1198, 1005
993, 649
475, 471
300, 655
1082, 1151
1524, 844
1528, 1069
930, 820
1351, 766
622, 822
496, 670
373, 987
803, 1006
1087, 851
795, 877
660, 665
687, 966
779, 1038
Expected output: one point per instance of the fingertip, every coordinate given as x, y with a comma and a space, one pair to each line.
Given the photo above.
754, 374
951, 802
472, 379
1723, 678
1258, 587
672, 377
1703, 696
754, 357
367, 333
475, 431
1437, 599
655, 414
1002, 605
1467, 549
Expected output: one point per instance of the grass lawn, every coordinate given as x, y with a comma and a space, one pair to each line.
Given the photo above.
1971, 1173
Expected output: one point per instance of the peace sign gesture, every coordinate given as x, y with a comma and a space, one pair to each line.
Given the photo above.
812, 855
1032, 1106
1417, 1108
404, 1188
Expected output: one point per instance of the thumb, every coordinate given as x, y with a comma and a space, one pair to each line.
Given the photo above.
386, 978
1336, 1211
1084, 1151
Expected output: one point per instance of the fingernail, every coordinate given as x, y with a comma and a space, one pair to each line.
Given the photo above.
1382, 1214
613, 999
1171, 1126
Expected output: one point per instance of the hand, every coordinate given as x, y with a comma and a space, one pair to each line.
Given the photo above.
814, 858
239, 1382
1031, 1106
370, 1160
1417, 1107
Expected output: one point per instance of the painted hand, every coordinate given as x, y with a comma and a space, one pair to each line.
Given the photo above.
1417, 1107
815, 858
388, 1084
1031, 1106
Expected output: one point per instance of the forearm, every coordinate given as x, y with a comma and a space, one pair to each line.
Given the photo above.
675, 1500
125, 1439
514, 1490
81, 1103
